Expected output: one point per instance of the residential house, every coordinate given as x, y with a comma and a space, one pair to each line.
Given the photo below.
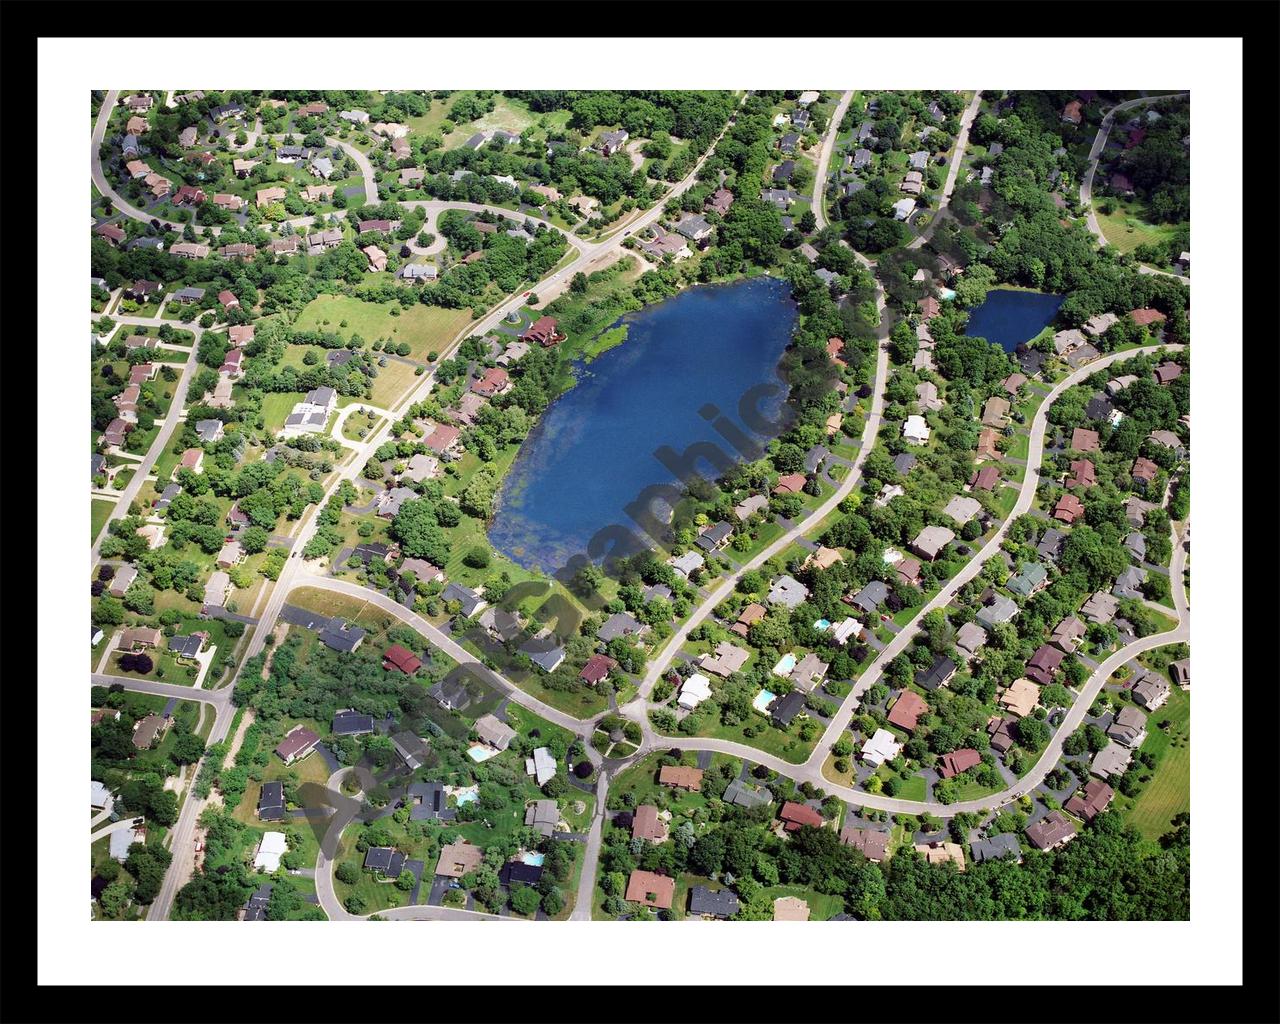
958, 762
942, 853
871, 596
695, 690
542, 766
783, 710
681, 777
1068, 509
915, 430
1090, 800
725, 660
1051, 831
650, 890
297, 744
969, 638
1129, 727
1003, 845
1101, 607
788, 592
543, 816
881, 747
1150, 691
1044, 664
459, 858
1030, 579
962, 508
1111, 761
937, 675
931, 541
790, 908
906, 710
794, 816
647, 825
1020, 698
704, 902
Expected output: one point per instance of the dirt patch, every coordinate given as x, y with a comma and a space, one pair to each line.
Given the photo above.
579, 807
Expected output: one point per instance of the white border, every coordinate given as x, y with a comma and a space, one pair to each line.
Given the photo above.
1206, 951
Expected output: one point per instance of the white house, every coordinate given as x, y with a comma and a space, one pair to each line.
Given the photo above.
880, 748
273, 846
916, 430
696, 689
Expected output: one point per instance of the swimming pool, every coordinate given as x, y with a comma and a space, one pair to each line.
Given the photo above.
481, 752
947, 294
821, 624
469, 796
763, 699
785, 664
533, 859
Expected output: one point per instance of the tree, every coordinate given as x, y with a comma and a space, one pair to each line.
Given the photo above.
348, 872
525, 900
406, 881
254, 539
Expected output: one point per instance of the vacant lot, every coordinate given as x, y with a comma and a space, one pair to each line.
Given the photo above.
425, 328
99, 512
1126, 230
1169, 791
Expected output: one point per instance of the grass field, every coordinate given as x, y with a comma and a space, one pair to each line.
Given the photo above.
393, 382
276, 407
99, 512
1169, 791
1126, 230
425, 328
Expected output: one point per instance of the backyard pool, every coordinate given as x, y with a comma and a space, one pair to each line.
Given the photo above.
533, 859
821, 624
763, 699
785, 664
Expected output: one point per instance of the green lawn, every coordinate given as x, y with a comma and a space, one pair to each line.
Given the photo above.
99, 512
1169, 791
786, 745
1126, 230
393, 382
822, 907
276, 407
425, 328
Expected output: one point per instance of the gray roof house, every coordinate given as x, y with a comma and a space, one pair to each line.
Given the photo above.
471, 601
705, 902
871, 596
621, 624
1030, 578
1003, 845
1001, 609
787, 591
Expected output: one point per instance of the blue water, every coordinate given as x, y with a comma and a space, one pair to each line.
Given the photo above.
593, 451
533, 859
1010, 318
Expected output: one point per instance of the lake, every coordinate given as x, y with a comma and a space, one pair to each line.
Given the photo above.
593, 450
1010, 318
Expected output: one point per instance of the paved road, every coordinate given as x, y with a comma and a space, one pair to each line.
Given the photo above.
1095, 154
450, 647
811, 770
167, 427
100, 179
659, 664
217, 698
824, 160
123, 825
591, 855
962, 143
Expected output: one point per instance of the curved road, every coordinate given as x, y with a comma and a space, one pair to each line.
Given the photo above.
1095, 154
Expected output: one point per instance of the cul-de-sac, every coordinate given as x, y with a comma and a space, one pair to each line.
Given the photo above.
640, 505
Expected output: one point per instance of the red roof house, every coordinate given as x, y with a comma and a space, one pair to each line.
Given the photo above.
598, 667
794, 815
907, 710
543, 331
959, 761
401, 658
1068, 509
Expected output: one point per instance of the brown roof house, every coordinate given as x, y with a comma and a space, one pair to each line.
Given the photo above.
297, 744
645, 824
651, 890
1053, 830
1090, 800
681, 777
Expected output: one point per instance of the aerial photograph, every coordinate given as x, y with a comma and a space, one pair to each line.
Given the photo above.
639, 505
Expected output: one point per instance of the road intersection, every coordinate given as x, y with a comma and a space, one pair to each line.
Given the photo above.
590, 255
